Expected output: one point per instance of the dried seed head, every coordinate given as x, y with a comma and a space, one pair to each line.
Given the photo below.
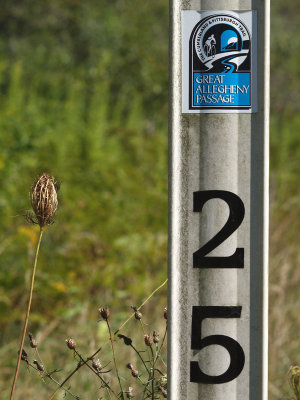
155, 337
134, 372
96, 364
71, 343
126, 339
166, 313
104, 312
163, 391
137, 314
129, 393
43, 197
39, 366
24, 355
148, 340
32, 341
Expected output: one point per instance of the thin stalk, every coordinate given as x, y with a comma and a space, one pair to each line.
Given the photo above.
76, 369
97, 374
65, 389
151, 376
108, 392
148, 298
27, 314
144, 384
114, 358
153, 370
49, 376
146, 388
141, 358
162, 343
68, 377
148, 350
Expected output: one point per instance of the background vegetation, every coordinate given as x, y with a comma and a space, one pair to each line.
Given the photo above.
284, 335
83, 94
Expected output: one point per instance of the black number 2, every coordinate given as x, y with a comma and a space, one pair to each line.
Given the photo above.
237, 356
236, 216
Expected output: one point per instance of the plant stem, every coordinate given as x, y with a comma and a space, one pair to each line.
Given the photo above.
144, 384
76, 369
100, 348
60, 385
27, 314
138, 353
151, 375
65, 389
109, 393
114, 358
49, 376
148, 350
162, 343
153, 369
96, 373
148, 298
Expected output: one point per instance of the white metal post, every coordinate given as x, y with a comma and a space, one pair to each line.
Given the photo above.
218, 234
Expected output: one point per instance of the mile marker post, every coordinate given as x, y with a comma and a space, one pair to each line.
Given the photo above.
219, 121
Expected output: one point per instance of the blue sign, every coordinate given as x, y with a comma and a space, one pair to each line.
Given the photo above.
218, 72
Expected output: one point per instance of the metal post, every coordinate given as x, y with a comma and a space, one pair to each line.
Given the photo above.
218, 231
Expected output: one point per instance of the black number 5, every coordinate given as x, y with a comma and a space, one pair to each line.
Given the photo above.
236, 216
237, 356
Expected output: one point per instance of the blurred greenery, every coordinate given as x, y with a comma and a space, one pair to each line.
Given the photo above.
83, 94
284, 338
84, 97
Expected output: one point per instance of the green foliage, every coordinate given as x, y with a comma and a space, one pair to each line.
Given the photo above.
84, 97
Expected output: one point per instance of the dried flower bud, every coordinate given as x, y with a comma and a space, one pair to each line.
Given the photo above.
155, 337
43, 197
163, 391
96, 364
39, 366
104, 312
134, 372
148, 340
137, 314
126, 339
24, 355
129, 393
32, 341
166, 313
71, 343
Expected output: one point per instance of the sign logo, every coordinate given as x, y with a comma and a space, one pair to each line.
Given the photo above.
220, 64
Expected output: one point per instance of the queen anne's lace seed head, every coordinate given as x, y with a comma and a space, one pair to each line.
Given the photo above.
43, 197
